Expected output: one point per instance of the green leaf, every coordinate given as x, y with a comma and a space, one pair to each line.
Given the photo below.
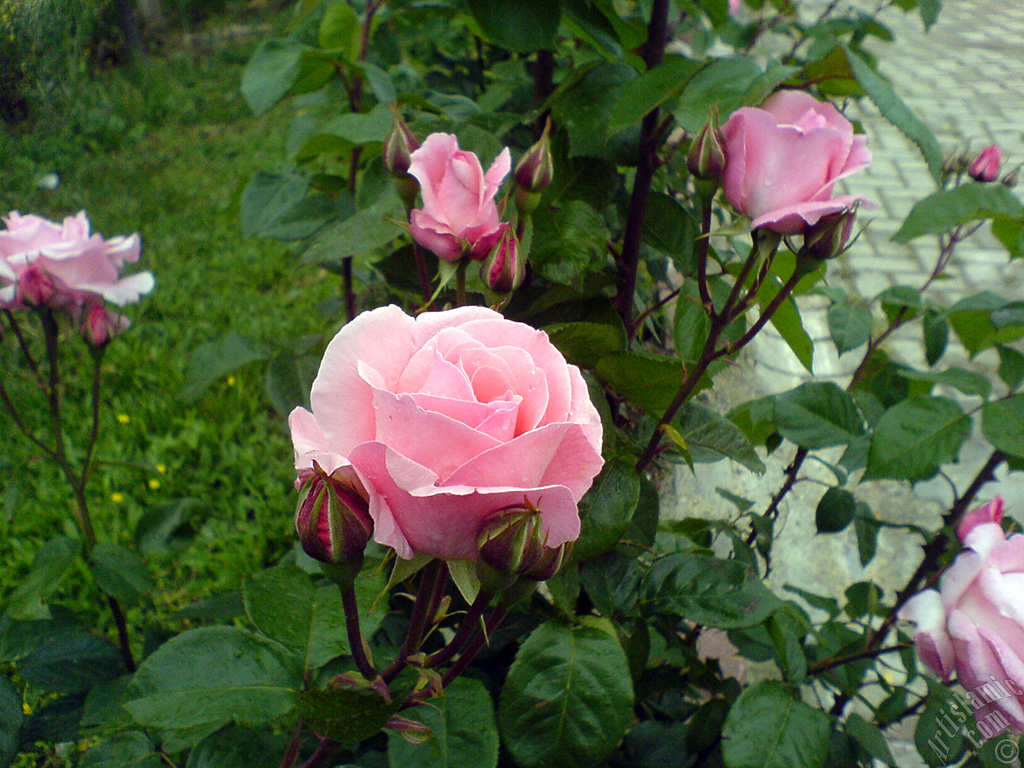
768, 728
870, 738
900, 299
721, 85
11, 717
707, 590
586, 343
214, 359
569, 243
1002, 421
647, 380
72, 662
120, 573
785, 634
1011, 367
849, 325
834, 511
130, 749
592, 21
943, 210
208, 677
340, 30
893, 109
711, 437
364, 230
162, 524
672, 229
582, 107
289, 379
985, 320
936, 335
967, 382
916, 437
817, 414
464, 732
270, 73
606, 509
866, 527
568, 697
788, 323
345, 714
278, 206
237, 747
524, 26
48, 569
650, 90
936, 742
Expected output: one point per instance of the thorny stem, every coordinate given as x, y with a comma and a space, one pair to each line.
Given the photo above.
466, 628
868, 653
291, 753
543, 85
355, 635
647, 162
421, 271
432, 579
477, 642
460, 283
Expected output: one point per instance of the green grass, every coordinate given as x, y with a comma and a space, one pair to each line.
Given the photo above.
164, 150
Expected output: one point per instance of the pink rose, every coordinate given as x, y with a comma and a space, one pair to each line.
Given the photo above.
985, 167
43, 262
459, 217
734, 5
784, 158
447, 418
974, 622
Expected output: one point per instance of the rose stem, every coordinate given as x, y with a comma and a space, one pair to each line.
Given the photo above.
469, 623
475, 644
326, 748
421, 268
703, 245
711, 352
32, 364
51, 334
355, 635
929, 565
460, 283
430, 578
647, 162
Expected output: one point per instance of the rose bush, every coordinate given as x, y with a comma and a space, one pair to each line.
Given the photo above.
784, 158
447, 418
974, 622
43, 262
459, 217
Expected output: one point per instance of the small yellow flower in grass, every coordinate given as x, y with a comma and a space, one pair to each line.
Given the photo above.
26, 708
231, 381
123, 418
117, 497
161, 468
154, 484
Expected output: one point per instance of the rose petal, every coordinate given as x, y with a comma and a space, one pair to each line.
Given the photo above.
934, 647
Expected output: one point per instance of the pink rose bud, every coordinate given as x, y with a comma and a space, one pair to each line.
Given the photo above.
985, 167
334, 525
550, 562
511, 540
35, 287
830, 236
706, 158
535, 169
503, 270
459, 217
100, 325
990, 513
399, 144
784, 159
974, 622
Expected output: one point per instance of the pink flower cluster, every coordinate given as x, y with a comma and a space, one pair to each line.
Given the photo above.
62, 265
784, 158
443, 420
974, 622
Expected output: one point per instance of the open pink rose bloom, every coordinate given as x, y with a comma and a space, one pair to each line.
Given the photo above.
459, 217
447, 418
784, 158
974, 622
43, 262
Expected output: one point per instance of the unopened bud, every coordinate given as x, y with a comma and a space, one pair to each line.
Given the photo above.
706, 158
1010, 179
334, 525
100, 325
830, 236
526, 202
503, 270
35, 287
985, 167
399, 144
536, 168
510, 541
551, 561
